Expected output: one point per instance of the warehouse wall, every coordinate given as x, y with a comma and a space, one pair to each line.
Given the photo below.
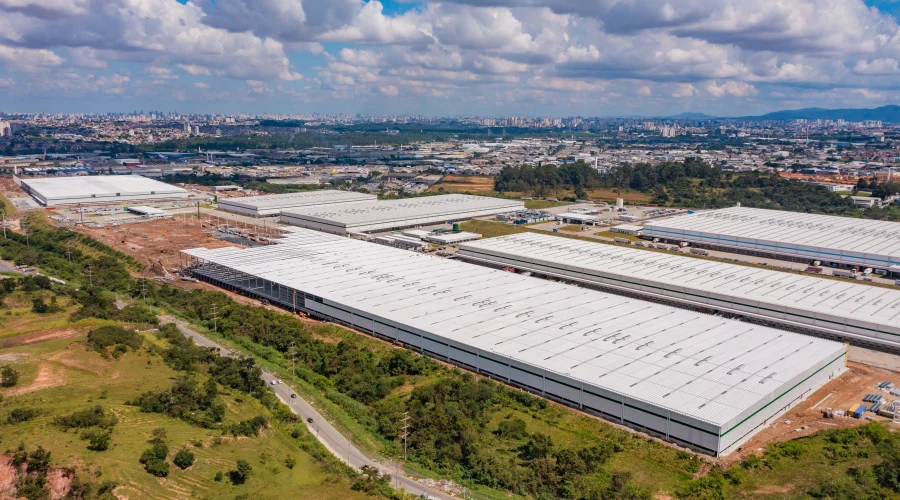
612, 406
741, 428
771, 247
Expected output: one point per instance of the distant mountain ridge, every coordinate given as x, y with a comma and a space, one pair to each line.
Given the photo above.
889, 113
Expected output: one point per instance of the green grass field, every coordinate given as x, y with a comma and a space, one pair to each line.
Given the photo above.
60, 377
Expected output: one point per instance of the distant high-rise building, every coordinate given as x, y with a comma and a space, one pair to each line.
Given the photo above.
187, 126
5, 129
196, 129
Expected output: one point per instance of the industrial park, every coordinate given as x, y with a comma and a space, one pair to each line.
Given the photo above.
715, 332
638, 336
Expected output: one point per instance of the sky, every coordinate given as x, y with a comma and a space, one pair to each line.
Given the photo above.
452, 57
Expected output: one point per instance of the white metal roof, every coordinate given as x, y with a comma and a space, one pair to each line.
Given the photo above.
100, 185
877, 240
694, 364
390, 211
852, 303
302, 199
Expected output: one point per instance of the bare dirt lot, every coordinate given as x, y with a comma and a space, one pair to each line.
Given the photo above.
807, 417
155, 241
477, 184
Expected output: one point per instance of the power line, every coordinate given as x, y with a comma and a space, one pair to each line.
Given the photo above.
405, 433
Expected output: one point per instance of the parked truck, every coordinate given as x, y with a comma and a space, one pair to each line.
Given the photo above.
699, 251
844, 274
622, 240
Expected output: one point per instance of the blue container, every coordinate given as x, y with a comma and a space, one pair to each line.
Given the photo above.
859, 411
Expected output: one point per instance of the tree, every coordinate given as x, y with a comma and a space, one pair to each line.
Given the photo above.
98, 440
240, 474
183, 459
159, 468
38, 305
9, 376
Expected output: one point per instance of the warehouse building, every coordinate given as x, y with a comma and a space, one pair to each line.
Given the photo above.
695, 379
271, 205
398, 214
57, 191
788, 235
844, 310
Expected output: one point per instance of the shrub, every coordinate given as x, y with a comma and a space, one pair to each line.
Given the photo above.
290, 462
159, 468
512, 429
91, 417
9, 376
183, 459
219, 476
18, 415
101, 339
98, 440
159, 451
249, 428
38, 305
240, 474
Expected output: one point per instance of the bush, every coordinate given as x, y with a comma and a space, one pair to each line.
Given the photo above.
290, 462
98, 440
240, 474
218, 477
92, 417
39, 306
101, 339
9, 376
159, 468
249, 428
512, 429
18, 415
159, 451
183, 459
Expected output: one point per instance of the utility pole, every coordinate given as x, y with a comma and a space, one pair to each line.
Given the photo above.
405, 434
293, 360
91, 274
144, 289
215, 319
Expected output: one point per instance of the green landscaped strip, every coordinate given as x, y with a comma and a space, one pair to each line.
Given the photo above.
530, 263
779, 397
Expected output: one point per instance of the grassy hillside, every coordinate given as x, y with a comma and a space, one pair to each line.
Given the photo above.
61, 372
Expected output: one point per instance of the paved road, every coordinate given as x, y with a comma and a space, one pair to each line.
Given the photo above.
333, 440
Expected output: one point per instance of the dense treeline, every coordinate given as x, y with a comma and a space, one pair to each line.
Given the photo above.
693, 184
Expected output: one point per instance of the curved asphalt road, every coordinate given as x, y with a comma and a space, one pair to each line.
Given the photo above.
333, 440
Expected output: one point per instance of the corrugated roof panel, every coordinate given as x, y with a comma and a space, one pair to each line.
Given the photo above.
614, 343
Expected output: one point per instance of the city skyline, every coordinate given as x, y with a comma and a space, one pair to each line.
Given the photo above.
458, 57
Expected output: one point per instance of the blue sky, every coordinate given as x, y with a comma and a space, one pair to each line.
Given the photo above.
454, 57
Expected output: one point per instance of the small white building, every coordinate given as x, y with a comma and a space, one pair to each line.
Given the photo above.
627, 229
573, 218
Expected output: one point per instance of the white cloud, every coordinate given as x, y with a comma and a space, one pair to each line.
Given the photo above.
731, 88
684, 90
201, 85
509, 51
869, 94
389, 90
